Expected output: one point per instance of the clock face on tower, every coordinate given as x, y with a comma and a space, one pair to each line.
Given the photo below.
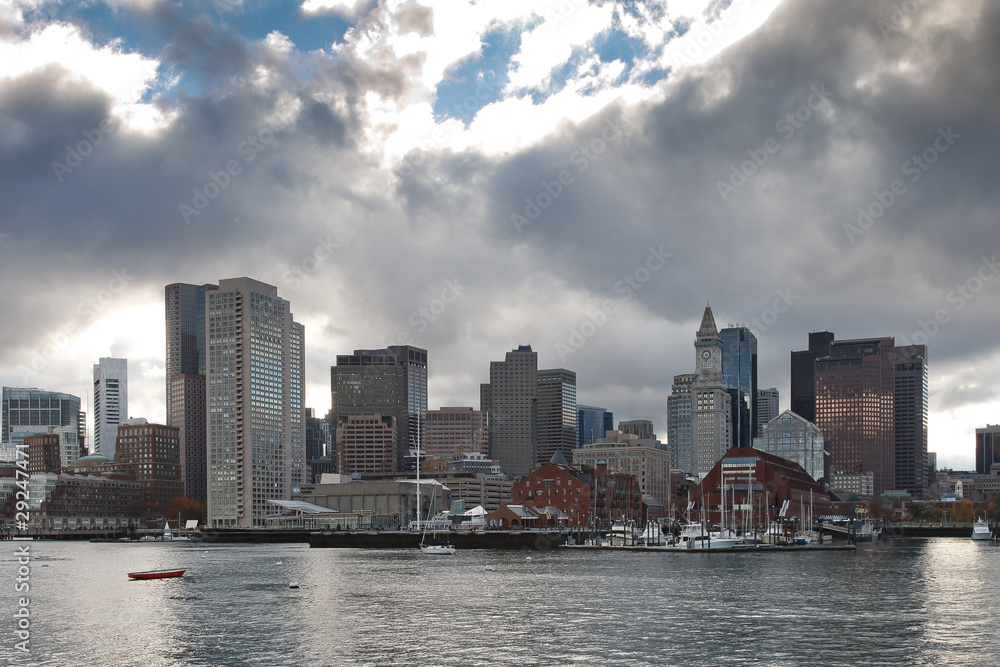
705, 354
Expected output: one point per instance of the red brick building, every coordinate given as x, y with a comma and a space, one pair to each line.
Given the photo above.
151, 454
590, 495
760, 483
42, 453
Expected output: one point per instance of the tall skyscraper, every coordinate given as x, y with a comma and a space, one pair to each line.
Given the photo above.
186, 367
25, 412
679, 422
592, 423
511, 401
803, 374
366, 444
987, 448
110, 402
390, 381
855, 408
256, 417
556, 414
739, 370
711, 412
911, 399
767, 407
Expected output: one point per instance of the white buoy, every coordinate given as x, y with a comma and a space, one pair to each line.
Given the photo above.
37, 557
45, 564
528, 559
294, 584
279, 563
489, 568
204, 555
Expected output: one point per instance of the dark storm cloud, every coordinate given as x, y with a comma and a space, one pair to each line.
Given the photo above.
366, 255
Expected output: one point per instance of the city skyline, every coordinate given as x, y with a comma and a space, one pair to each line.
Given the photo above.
582, 183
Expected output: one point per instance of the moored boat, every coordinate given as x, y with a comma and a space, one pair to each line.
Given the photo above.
156, 574
981, 531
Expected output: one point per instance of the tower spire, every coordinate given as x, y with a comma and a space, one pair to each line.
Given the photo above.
708, 327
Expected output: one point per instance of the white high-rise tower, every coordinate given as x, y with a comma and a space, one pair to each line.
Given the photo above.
110, 402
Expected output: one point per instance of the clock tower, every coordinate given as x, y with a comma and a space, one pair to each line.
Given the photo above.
711, 427
708, 350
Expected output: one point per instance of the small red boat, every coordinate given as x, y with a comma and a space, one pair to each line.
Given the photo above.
156, 574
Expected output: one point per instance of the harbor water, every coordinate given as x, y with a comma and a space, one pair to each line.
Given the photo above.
907, 602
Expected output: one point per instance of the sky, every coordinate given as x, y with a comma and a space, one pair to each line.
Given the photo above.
468, 176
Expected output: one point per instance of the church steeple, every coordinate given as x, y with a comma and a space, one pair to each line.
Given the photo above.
708, 328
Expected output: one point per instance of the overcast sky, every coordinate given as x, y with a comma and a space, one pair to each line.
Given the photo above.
469, 176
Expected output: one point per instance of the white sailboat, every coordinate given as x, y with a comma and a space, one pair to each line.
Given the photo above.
428, 549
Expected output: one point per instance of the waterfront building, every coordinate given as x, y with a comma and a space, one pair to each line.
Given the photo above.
390, 381
855, 408
510, 400
555, 485
592, 423
110, 402
366, 444
803, 374
25, 412
767, 407
791, 437
759, 484
679, 422
739, 370
68, 500
255, 380
187, 413
390, 503
643, 457
449, 429
150, 453
557, 428
711, 407
911, 405
987, 448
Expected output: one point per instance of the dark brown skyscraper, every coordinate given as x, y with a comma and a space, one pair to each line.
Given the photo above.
855, 408
911, 419
184, 307
803, 387
187, 406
